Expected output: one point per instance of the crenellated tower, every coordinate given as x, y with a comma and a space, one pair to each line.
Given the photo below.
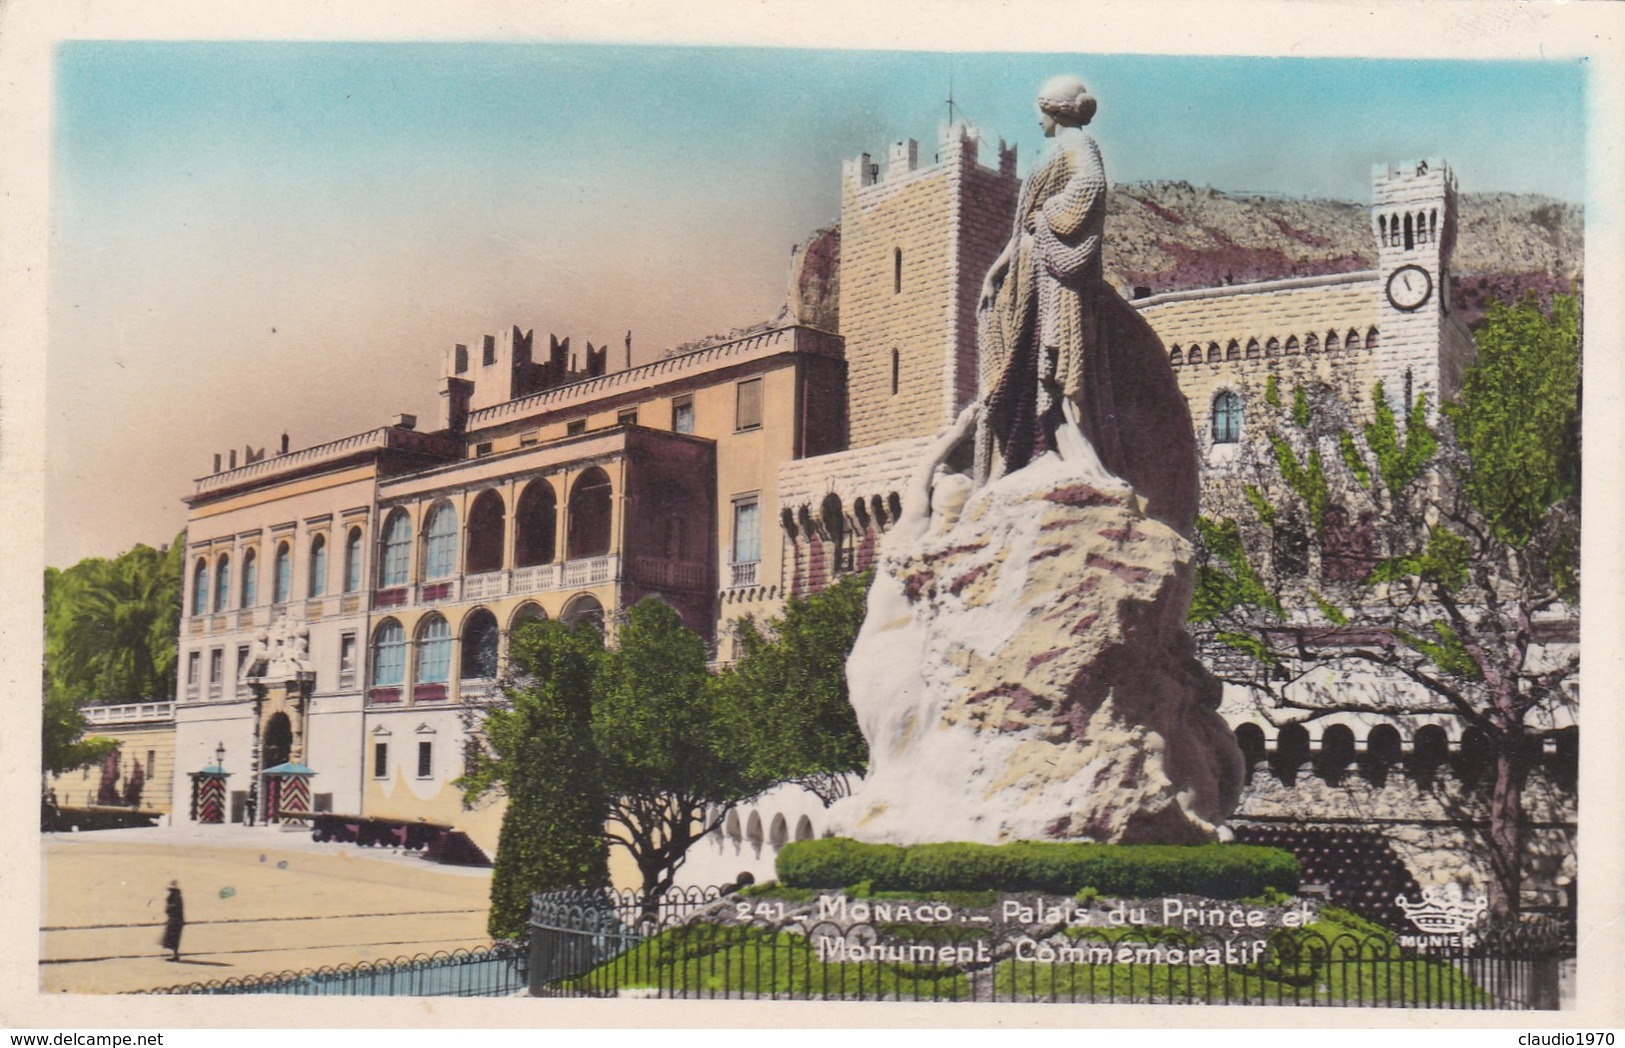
915, 243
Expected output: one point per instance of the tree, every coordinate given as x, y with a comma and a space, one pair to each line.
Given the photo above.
538, 750
788, 692
63, 747
672, 765
1447, 554
110, 633
111, 625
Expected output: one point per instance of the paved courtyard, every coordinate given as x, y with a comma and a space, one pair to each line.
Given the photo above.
257, 900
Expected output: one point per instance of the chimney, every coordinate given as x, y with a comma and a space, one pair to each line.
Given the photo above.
233, 459
405, 421
217, 462
455, 394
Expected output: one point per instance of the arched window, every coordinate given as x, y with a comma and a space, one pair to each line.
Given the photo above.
536, 525
778, 833
389, 655
1213, 356
1227, 418
440, 542
1250, 737
282, 582
251, 572
1371, 338
529, 611
1176, 357
318, 566
1272, 348
479, 646
487, 521
1351, 341
1233, 350
896, 270
1252, 349
222, 583
200, 587
1382, 228
804, 830
1292, 346
397, 550
1410, 240
434, 652
589, 518
834, 522
1331, 342
352, 561
584, 608
1311, 343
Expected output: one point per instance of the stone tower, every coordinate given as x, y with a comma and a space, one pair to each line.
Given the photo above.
1422, 348
915, 244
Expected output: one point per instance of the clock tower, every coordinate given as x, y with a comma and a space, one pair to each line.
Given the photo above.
1422, 348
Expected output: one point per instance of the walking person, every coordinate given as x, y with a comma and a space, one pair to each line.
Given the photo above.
174, 921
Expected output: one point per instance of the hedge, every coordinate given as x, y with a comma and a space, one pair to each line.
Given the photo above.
1217, 871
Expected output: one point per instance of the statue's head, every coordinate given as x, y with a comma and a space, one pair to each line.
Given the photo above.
1066, 101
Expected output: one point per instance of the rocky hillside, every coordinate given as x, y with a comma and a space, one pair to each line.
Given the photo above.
1167, 236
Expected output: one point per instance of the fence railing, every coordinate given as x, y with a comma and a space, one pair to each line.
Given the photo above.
603, 944
494, 971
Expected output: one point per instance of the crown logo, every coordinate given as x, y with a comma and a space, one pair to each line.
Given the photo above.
1443, 910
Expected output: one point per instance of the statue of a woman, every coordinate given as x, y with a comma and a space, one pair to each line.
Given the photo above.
1064, 363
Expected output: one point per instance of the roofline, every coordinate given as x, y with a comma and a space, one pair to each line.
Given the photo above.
696, 361
320, 458
1262, 287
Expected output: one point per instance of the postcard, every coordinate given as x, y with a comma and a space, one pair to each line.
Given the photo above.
644, 521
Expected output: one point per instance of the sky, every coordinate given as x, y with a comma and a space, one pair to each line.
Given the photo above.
248, 239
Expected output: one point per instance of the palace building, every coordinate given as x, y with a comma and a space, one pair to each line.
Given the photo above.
722, 478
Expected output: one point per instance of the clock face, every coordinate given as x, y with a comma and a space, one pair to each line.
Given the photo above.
1409, 287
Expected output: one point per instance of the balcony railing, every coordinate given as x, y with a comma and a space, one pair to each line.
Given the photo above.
384, 696
429, 693
478, 689
743, 574
589, 572
132, 712
486, 586
536, 578
678, 574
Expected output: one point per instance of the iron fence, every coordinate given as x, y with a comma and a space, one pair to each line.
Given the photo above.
603, 944
495, 971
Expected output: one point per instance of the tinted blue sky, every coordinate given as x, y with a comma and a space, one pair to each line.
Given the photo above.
375, 203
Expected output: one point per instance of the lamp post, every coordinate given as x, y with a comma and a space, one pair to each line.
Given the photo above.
220, 756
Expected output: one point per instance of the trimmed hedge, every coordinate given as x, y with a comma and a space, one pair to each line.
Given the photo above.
1135, 871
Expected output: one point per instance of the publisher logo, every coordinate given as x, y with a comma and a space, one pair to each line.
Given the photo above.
1444, 916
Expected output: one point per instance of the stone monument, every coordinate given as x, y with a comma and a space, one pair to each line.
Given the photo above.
1023, 671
